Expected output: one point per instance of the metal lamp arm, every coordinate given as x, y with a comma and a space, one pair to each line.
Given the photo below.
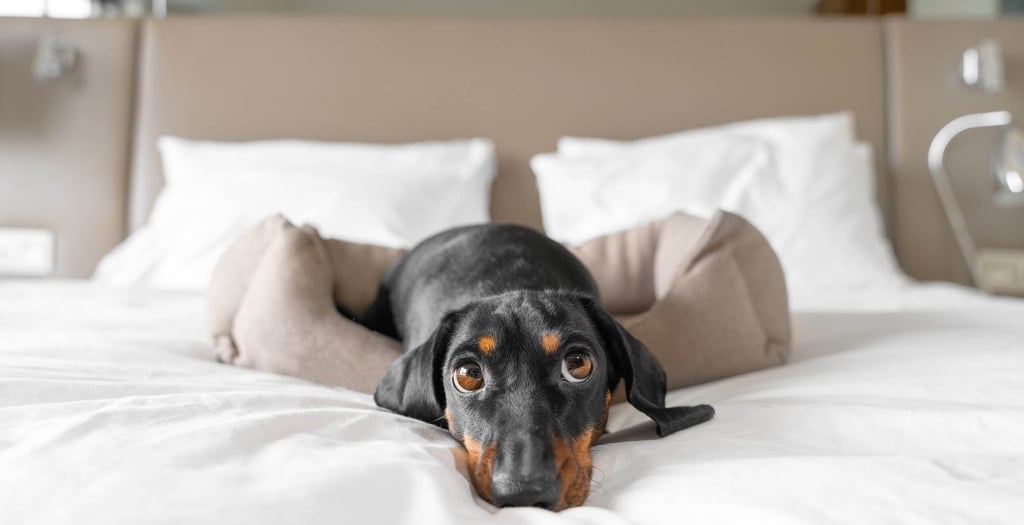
936, 156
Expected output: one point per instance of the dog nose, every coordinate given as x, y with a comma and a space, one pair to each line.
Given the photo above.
531, 493
523, 474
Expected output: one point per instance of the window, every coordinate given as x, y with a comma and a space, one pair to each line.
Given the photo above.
54, 8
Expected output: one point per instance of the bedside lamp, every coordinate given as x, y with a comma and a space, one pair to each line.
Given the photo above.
993, 270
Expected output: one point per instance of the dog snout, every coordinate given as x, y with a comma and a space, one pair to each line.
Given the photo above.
540, 492
524, 473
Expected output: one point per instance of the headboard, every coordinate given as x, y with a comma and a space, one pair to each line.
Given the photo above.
522, 82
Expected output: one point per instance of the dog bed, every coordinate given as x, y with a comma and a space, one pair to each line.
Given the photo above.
707, 297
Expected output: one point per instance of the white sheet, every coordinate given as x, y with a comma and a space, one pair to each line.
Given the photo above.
908, 408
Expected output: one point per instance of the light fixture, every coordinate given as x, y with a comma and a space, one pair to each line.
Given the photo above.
55, 57
994, 270
982, 66
159, 8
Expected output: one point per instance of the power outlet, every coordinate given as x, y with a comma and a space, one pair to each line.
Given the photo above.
1001, 271
26, 252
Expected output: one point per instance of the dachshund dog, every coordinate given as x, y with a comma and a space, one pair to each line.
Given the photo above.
506, 344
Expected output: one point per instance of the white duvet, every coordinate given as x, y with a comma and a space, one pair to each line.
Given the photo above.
898, 407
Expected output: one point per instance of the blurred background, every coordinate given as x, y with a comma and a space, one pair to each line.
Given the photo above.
913, 8
72, 93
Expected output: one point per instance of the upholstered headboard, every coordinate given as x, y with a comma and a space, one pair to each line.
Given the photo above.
522, 82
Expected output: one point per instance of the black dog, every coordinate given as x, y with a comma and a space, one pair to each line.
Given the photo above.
506, 343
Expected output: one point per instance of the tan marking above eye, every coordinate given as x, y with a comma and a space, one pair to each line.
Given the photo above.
549, 343
486, 343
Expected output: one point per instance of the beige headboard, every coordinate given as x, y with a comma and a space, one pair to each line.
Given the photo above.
522, 82
71, 149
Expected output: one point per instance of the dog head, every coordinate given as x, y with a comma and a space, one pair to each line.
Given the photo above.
523, 380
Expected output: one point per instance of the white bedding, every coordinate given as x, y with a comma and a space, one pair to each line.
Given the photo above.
898, 407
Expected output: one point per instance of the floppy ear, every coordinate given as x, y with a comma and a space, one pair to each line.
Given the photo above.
412, 383
644, 377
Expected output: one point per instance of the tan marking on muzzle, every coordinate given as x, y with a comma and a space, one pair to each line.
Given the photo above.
572, 460
481, 463
451, 422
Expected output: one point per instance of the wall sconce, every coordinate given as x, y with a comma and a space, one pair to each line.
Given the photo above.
55, 57
993, 270
982, 66
159, 8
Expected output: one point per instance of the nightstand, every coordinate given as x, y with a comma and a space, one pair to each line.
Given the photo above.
1000, 271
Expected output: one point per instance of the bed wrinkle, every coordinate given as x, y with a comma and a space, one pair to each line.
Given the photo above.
154, 426
271, 396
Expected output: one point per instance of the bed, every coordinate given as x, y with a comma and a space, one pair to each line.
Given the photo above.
901, 407
901, 403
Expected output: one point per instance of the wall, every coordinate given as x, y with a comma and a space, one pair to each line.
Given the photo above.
510, 7
953, 8
924, 94
64, 143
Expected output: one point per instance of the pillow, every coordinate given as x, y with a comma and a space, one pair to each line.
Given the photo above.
816, 204
791, 136
586, 196
388, 195
834, 239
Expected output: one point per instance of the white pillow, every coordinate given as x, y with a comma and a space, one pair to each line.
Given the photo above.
816, 205
588, 196
797, 142
391, 195
833, 239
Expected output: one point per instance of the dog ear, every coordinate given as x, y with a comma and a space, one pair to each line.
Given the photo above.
412, 385
644, 377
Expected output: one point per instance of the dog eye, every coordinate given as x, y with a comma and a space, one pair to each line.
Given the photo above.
576, 367
468, 377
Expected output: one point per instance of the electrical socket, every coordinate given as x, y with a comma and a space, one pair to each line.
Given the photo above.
1001, 271
26, 252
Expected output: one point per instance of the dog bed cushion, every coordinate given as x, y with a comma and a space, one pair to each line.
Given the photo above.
707, 297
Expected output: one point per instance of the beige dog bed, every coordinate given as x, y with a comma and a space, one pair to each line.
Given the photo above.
707, 297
